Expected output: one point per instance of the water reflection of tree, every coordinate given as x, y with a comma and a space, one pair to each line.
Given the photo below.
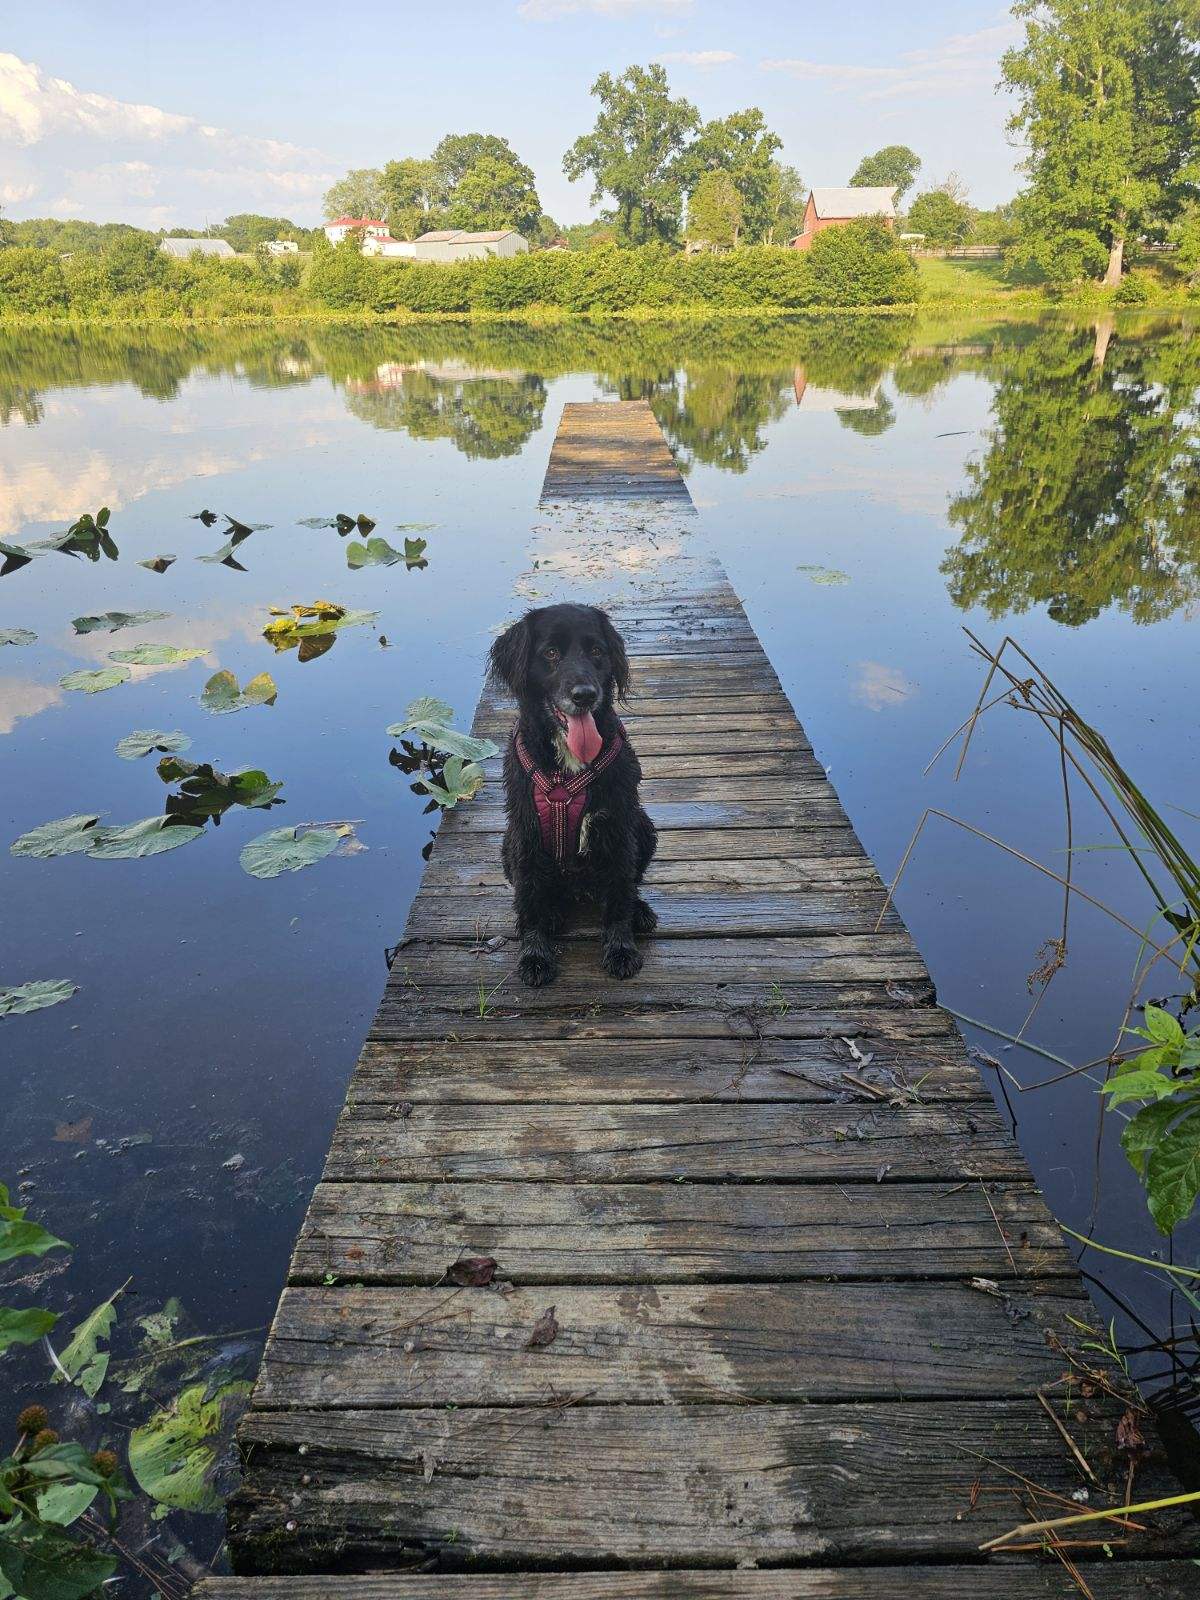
486, 418
1088, 495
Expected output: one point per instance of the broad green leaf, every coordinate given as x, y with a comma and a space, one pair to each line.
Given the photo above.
460, 780
83, 1361
35, 996
427, 709
426, 720
95, 682
224, 555
155, 655
1162, 1026
46, 1564
19, 1237
142, 741
1146, 1060
176, 1454
111, 621
150, 837
17, 636
414, 549
205, 792
63, 1503
24, 1327
221, 693
1143, 1132
1173, 1172
65, 836
284, 850
375, 553
285, 632
1138, 1086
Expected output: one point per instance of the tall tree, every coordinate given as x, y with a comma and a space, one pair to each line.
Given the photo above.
893, 167
409, 187
785, 204
942, 219
714, 210
495, 192
359, 194
743, 146
633, 152
1107, 93
457, 153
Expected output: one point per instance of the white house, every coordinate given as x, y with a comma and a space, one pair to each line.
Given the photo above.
369, 227
456, 244
181, 249
389, 248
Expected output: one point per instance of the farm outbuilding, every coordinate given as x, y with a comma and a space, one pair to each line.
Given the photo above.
182, 249
389, 248
456, 244
369, 227
832, 208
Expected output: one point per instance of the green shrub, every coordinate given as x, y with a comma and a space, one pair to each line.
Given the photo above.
1135, 289
31, 281
861, 264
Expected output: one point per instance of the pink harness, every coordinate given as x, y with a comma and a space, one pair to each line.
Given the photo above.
561, 801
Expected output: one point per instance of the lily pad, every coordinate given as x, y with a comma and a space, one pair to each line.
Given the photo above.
460, 780
824, 575
82, 1361
35, 996
157, 563
17, 636
65, 836
375, 553
95, 682
224, 556
15, 556
428, 719
150, 837
322, 617
155, 655
204, 792
143, 741
176, 1455
221, 693
111, 621
206, 517
287, 850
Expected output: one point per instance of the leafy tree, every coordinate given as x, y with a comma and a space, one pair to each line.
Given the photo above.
744, 147
410, 204
31, 281
714, 210
1107, 93
940, 218
457, 153
893, 167
360, 193
246, 230
495, 192
784, 204
633, 152
860, 263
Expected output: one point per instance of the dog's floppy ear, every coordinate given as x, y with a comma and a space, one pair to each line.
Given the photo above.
509, 660
615, 646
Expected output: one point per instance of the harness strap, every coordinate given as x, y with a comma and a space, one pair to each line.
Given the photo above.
561, 801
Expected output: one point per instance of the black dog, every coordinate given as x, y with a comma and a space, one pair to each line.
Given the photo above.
575, 827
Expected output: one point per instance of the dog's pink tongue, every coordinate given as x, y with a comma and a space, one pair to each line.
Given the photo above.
583, 737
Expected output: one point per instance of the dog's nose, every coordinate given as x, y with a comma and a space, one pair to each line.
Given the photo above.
585, 696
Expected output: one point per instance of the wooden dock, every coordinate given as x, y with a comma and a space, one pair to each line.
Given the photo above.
612, 450
777, 1311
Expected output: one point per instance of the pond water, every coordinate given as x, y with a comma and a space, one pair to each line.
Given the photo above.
872, 488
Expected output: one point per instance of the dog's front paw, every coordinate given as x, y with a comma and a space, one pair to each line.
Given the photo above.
645, 920
622, 960
537, 968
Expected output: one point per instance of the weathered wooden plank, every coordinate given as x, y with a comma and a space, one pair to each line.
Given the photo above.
813, 1143
346, 1347
815, 795
450, 870
591, 1071
679, 1232
765, 845
1012, 1580
823, 811
666, 1485
612, 450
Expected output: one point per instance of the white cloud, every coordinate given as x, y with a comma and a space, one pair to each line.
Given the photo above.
551, 10
880, 687
699, 58
963, 62
77, 153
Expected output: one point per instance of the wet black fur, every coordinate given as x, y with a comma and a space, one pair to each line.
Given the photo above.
568, 655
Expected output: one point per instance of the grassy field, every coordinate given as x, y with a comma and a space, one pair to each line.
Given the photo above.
964, 280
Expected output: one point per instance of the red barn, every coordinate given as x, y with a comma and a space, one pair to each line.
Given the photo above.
832, 208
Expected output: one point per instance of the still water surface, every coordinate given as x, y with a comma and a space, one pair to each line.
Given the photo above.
871, 488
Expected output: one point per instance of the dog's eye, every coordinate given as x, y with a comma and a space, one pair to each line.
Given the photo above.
597, 653
551, 655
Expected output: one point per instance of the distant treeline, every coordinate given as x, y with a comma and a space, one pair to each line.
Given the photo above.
858, 265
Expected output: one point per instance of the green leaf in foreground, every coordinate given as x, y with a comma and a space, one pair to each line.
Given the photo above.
35, 996
287, 850
111, 621
221, 693
155, 655
143, 741
1173, 1169
426, 719
48, 1565
460, 780
375, 553
24, 1327
17, 636
19, 1237
150, 837
64, 1503
63, 837
82, 1361
95, 682
176, 1455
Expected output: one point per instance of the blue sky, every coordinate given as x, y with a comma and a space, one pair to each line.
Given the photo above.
172, 113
